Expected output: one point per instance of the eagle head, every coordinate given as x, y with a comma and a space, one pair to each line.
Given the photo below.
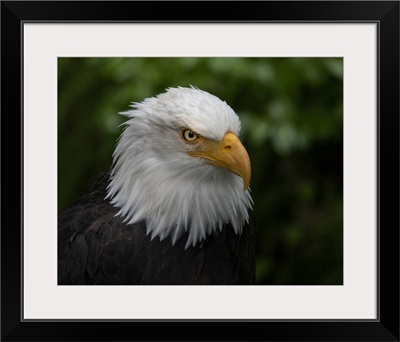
180, 166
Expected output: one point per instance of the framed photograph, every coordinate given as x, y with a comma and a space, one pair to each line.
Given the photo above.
307, 92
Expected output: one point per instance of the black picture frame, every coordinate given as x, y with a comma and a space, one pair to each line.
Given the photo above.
385, 13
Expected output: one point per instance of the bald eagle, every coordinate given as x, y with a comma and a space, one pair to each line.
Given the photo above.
174, 207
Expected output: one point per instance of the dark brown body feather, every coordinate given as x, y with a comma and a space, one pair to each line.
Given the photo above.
96, 247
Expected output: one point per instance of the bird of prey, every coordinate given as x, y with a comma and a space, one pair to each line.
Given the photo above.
175, 206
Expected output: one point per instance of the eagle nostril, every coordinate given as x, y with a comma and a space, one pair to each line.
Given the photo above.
227, 148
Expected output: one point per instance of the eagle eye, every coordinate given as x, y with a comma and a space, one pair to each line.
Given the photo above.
189, 135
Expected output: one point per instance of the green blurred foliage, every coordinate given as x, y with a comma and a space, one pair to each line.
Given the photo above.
292, 126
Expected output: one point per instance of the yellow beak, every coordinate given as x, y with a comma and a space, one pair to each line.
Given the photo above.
228, 154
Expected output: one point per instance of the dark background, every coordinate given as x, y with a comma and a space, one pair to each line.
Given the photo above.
292, 126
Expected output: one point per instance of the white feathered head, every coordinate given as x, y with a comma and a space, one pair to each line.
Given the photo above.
180, 166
